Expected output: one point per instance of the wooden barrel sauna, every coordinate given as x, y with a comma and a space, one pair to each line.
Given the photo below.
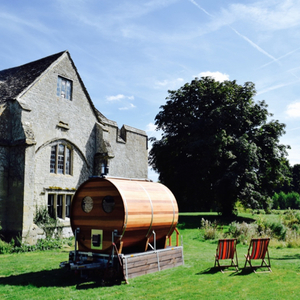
133, 209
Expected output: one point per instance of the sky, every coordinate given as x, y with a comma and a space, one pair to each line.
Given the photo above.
129, 53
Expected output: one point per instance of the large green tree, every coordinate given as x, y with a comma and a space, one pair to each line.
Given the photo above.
218, 145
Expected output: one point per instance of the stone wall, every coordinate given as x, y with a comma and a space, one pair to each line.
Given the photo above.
5, 137
42, 119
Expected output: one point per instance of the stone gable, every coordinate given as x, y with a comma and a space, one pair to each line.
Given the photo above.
50, 144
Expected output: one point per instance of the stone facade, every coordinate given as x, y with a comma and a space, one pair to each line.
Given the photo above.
34, 121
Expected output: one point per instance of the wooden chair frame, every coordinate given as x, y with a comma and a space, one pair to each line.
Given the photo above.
258, 249
226, 250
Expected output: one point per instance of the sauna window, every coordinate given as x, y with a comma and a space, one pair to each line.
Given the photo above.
96, 240
87, 204
108, 204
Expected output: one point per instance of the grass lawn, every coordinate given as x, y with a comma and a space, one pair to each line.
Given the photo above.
36, 275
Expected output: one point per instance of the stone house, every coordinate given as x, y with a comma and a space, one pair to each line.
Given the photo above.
52, 138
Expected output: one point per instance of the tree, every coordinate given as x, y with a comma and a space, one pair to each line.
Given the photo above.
218, 146
296, 178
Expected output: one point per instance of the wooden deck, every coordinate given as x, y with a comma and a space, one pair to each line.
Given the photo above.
152, 261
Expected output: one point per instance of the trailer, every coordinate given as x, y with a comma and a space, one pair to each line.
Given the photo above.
123, 228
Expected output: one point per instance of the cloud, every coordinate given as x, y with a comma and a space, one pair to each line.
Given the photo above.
118, 97
114, 20
293, 110
18, 24
269, 15
216, 75
127, 107
115, 98
122, 98
152, 132
150, 127
170, 84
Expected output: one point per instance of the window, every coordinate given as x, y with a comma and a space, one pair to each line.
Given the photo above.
60, 159
59, 205
51, 205
64, 88
103, 167
68, 205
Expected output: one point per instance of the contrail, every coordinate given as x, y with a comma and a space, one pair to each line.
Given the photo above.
195, 3
279, 58
275, 87
255, 46
239, 34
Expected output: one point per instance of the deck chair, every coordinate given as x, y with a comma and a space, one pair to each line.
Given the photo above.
226, 250
258, 249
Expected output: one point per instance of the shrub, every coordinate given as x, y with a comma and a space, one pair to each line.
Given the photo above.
242, 231
49, 225
278, 230
42, 244
291, 217
210, 229
292, 238
5, 248
48, 244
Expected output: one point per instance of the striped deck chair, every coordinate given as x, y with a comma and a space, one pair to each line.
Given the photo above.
226, 250
258, 249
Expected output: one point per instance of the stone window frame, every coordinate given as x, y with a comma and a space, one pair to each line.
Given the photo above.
59, 203
64, 88
61, 164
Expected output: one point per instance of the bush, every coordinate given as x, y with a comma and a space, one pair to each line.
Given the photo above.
291, 217
42, 245
50, 226
292, 238
278, 230
5, 248
242, 231
210, 230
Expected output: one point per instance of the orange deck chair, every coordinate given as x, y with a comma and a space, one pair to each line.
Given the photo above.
258, 249
226, 250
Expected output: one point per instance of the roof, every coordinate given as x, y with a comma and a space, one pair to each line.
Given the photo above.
13, 81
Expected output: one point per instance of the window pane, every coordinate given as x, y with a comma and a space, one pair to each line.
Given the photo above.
68, 205
60, 159
68, 89
53, 159
68, 161
50, 205
59, 205
58, 86
64, 88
